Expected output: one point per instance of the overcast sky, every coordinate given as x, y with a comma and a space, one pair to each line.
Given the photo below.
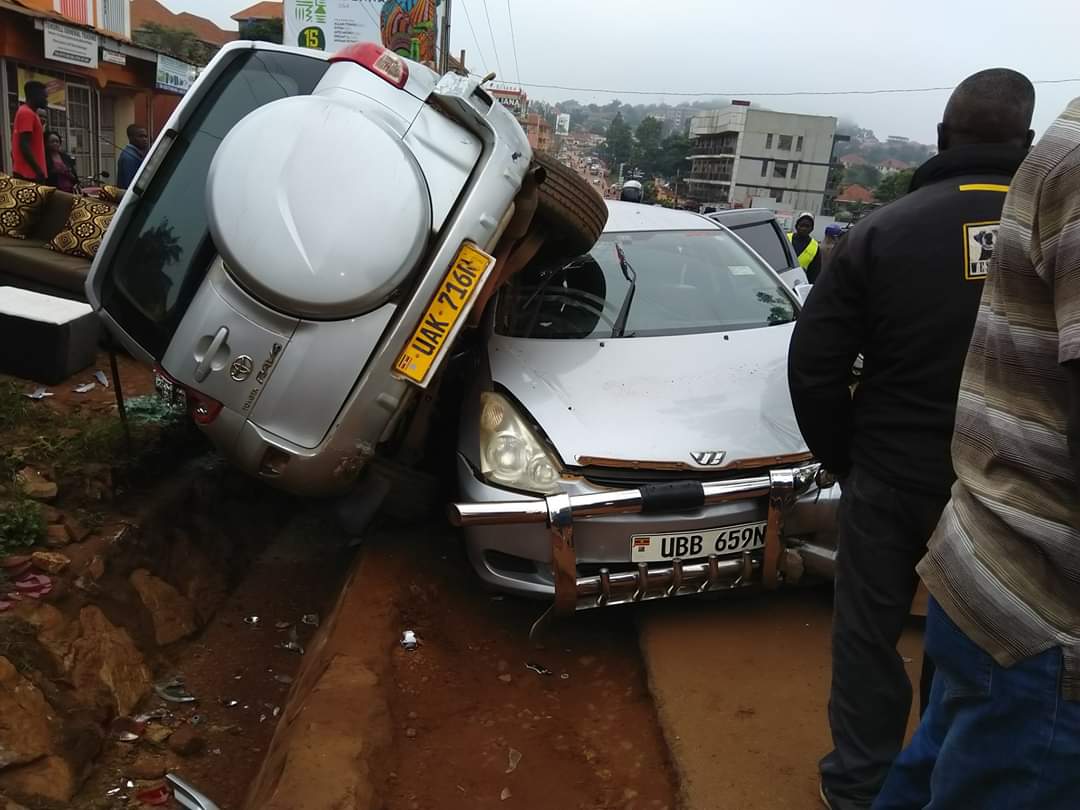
774, 46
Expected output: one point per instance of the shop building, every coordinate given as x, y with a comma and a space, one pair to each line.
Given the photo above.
99, 82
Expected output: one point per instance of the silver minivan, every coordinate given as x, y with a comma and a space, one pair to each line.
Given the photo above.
302, 245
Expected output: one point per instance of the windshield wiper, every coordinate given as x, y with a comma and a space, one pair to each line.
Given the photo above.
619, 329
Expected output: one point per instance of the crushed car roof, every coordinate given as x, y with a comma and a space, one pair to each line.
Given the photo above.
624, 216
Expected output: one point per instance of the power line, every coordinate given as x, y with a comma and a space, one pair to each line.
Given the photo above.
513, 40
476, 39
494, 45
874, 92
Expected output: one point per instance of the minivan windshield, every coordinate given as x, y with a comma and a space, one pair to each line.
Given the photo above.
686, 282
165, 250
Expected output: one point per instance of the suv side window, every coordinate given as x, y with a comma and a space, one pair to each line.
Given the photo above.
165, 251
765, 238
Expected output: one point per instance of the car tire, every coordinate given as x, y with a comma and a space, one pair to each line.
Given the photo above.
573, 213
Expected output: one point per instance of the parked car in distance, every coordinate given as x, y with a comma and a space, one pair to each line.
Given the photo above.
759, 228
302, 308
628, 433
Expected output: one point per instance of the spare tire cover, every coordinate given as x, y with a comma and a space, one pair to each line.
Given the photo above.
317, 209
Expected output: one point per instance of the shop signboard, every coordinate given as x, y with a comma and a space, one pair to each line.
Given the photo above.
330, 25
113, 57
54, 87
72, 45
174, 75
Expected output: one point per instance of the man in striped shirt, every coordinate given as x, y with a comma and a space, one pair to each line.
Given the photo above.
1003, 726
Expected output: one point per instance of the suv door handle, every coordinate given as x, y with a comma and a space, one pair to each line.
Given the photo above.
203, 369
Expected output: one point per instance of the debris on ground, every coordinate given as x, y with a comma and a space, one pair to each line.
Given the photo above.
293, 644
41, 392
173, 690
187, 741
84, 388
409, 640
513, 759
539, 669
311, 619
101, 378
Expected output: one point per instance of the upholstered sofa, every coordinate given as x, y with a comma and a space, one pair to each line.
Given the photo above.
30, 263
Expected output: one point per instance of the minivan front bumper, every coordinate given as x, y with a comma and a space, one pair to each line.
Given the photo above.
800, 536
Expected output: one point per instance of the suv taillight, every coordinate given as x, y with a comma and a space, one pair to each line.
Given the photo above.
200, 407
383, 63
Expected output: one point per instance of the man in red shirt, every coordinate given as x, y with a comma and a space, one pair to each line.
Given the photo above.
28, 141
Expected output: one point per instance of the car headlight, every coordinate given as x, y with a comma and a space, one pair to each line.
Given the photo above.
511, 453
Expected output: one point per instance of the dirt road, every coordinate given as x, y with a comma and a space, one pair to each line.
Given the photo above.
741, 687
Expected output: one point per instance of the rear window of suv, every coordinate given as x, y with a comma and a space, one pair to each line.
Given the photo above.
165, 250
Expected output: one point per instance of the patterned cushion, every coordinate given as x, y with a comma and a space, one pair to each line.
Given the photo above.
86, 226
21, 205
112, 194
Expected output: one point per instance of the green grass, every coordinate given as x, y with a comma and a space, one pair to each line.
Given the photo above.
21, 526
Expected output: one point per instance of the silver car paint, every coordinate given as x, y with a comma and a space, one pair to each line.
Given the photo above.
638, 400
656, 399
483, 197
298, 197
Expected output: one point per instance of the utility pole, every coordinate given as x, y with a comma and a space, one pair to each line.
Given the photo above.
444, 35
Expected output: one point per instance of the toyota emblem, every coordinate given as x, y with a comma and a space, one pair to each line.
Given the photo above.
708, 458
241, 368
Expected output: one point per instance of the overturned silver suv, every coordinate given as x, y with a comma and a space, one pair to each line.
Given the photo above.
307, 237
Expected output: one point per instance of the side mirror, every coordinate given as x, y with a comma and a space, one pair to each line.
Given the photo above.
802, 292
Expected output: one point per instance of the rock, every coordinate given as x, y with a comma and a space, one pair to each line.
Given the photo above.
197, 577
34, 484
49, 779
187, 741
51, 514
146, 766
104, 657
157, 734
98, 479
172, 614
76, 531
505, 678
56, 536
410, 733
51, 562
25, 719
95, 569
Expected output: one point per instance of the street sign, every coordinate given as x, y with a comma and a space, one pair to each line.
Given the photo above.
72, 45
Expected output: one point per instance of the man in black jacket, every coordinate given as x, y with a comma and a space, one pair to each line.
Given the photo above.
902, 289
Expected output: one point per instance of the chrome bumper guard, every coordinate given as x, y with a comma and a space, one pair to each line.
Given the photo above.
776, 565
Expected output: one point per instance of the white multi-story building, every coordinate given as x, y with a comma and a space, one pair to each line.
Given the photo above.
741, 153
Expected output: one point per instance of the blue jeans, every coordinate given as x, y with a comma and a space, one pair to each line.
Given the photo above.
992, 738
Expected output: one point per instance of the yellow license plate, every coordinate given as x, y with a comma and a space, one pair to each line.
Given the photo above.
444, 316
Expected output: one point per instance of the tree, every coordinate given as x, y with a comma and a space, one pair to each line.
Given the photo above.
620, 143
867, 176
181, 43
894, 186
647, 150
674, 151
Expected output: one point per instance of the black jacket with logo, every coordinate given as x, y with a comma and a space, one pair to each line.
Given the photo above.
903, 289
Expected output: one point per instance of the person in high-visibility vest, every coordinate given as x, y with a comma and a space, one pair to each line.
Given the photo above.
806, 246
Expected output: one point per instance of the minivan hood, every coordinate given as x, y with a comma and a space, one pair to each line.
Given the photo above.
652, 402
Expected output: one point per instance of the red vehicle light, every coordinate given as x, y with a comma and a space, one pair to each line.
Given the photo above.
200, 407
383, 63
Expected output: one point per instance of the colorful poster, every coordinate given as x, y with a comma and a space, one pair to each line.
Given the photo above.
55, 87
330, 25
409, 28
562, 124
